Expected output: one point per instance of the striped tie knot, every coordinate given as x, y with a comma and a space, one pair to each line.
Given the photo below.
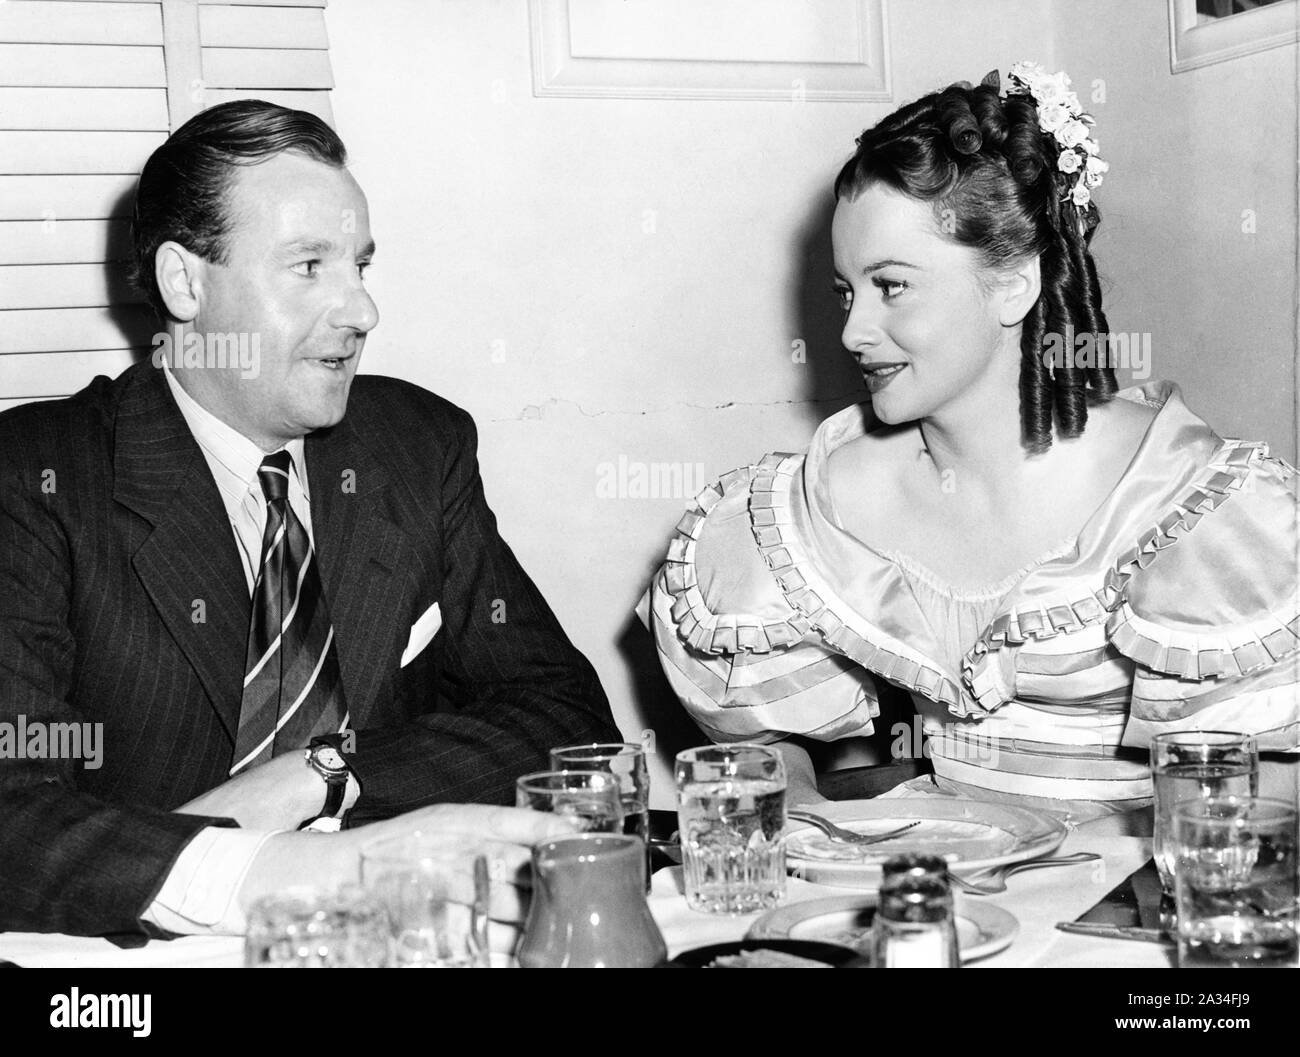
274, 475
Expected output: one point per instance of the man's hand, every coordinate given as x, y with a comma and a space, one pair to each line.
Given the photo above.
277, 794
324, 860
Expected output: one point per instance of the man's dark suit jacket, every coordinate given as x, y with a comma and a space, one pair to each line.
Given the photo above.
123, 602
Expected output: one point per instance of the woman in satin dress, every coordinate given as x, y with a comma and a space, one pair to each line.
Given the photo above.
1054, 570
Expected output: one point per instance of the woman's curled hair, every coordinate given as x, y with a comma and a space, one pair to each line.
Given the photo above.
989, 170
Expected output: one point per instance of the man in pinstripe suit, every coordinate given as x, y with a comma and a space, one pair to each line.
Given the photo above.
131, 531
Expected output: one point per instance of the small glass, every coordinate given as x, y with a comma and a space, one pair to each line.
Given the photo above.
1194, 765
731, 818
626, 761
306, 928
592, 799
435, 895
1238, 886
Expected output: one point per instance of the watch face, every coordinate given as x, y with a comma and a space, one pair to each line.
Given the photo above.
328, 757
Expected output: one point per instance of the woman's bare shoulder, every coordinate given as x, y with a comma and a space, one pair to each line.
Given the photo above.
871, 465
1118, 426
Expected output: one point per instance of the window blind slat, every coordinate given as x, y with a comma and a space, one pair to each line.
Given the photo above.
261, 27
87, 89
66, 197
42, 22
77, 152
64, 286
70, 329
64, 241
78, 66
201, 3
264, 3
55, 374
109, 109
266, 68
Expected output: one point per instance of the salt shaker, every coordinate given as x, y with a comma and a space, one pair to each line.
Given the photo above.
914, 926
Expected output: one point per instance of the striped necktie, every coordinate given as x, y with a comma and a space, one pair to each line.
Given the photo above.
292, 689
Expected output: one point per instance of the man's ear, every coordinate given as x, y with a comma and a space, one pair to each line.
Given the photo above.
179, 276
1019, 292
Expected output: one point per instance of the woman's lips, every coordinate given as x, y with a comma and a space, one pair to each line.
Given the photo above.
879, 375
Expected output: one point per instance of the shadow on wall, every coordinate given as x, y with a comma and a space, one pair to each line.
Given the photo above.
654, 701
129, 310
830, 381
825, 380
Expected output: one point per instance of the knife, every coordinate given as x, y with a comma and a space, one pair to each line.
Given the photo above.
1114, 932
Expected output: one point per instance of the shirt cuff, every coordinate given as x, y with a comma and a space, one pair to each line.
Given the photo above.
198, 897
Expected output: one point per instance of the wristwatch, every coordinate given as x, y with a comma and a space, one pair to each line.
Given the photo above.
324, 758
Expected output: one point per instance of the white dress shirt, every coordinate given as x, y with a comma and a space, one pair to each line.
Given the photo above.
198, 895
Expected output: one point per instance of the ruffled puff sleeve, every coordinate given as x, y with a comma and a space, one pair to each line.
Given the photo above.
743, 662
1208, 608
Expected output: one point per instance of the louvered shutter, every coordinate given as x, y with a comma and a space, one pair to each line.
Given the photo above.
88, 88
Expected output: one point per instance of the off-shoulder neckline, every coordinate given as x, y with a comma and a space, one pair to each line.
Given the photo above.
851, 423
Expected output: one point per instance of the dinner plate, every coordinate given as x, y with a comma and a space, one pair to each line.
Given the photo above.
982, 928
825, 955
971, 835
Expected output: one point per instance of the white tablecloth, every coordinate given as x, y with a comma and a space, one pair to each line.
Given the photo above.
1037, 898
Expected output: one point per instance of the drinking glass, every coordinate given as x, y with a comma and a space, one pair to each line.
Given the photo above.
306, 928
731, 818
1238, 887
626, 761
1194, 765
590, 798
435, 895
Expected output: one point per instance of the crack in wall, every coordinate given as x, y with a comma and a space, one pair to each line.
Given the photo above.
537, 412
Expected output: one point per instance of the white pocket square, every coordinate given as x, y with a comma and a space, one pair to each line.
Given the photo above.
422, 633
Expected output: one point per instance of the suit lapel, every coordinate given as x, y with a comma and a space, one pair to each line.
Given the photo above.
189, 565
360, 551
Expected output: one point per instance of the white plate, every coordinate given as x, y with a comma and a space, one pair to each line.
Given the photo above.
971, 835
982, 928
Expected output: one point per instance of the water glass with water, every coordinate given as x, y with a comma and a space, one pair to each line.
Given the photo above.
626, 761
308, 928
591, 798
435, 894
1238, 886
1195, 765
731, 819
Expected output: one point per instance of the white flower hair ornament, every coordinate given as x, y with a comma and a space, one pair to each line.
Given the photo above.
1060, 115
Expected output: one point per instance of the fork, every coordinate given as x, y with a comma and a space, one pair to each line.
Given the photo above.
998, 880
846, 836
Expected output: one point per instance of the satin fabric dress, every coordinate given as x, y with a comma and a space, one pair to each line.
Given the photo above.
1175, 607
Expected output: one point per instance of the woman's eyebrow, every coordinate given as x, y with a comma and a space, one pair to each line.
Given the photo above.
890, 262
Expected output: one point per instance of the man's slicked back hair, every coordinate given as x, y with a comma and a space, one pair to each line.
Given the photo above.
181, 196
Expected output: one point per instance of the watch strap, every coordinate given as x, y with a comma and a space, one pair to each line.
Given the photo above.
329, 818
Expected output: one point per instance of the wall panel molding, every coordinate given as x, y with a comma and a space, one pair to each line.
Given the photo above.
730, 49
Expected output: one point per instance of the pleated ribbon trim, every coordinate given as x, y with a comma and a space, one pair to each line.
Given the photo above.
813, 597
814, 605
1230, 651
697, 625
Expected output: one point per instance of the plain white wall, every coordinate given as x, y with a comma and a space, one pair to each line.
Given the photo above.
1197, 159
596, 279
